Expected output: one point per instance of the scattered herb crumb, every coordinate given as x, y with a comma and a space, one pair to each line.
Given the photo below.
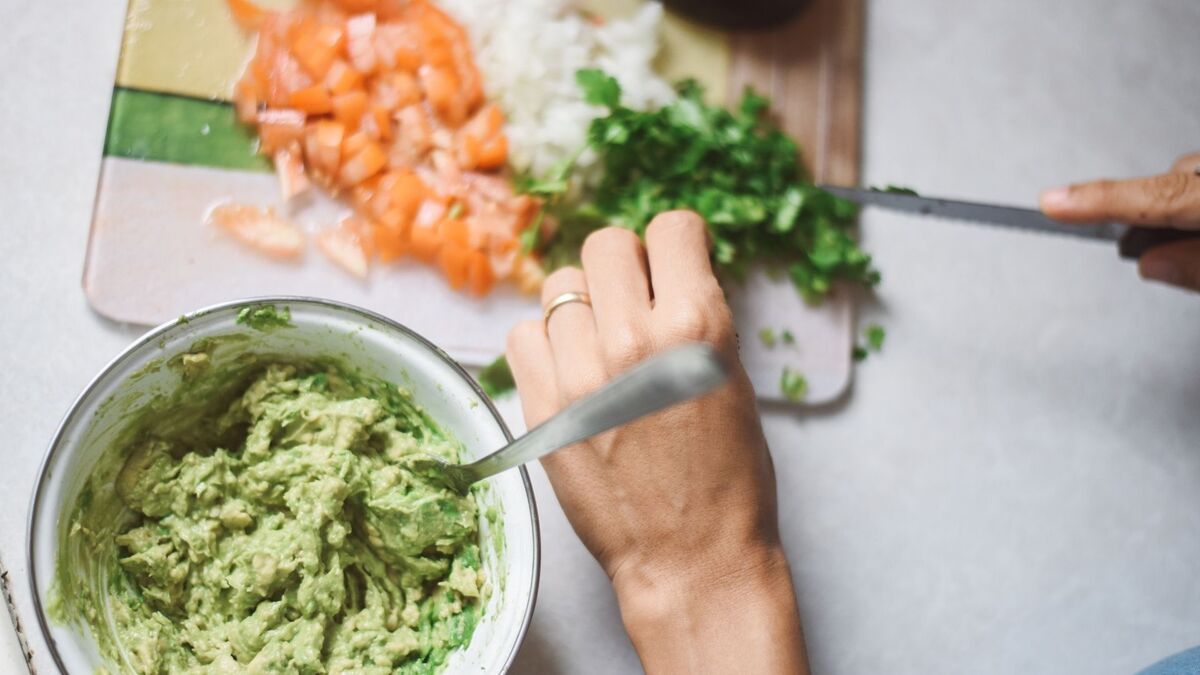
896, 190
264, 317
788, 338
767, 337
874, 335
793, 384
496, 378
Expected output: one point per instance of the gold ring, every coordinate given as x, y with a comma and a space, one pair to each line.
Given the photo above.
566, 299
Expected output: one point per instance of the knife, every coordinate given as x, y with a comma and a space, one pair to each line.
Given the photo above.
1131, 241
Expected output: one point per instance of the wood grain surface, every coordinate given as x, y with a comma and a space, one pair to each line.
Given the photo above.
811, 69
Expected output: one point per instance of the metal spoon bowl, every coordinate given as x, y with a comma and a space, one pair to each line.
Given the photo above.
672, 377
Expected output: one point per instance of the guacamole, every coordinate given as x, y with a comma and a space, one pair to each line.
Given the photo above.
274, 525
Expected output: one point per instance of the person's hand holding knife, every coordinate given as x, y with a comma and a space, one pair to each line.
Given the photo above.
1171, 199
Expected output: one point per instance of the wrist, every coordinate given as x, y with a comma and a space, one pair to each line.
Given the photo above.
699, 614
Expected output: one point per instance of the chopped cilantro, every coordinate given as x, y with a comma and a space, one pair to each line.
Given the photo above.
496, 378
896, 190
767, 336
874, 335
792, 384
454, 211
788, 338
734, 168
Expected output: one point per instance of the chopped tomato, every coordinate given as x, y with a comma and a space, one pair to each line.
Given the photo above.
290, 168
348, 108
480, 277
363, 164
341, 78
247, 14
424, 242
260, 229
380, 101
344, 246
279, 128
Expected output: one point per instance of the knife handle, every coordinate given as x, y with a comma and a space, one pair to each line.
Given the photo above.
1138, 240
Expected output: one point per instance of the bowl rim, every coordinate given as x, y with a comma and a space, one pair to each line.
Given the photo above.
153, 335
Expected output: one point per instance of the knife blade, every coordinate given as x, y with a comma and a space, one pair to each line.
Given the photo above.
1132, 242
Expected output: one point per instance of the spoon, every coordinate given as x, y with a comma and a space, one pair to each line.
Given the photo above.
659, 382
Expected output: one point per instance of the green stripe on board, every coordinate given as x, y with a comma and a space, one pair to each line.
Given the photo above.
181, 130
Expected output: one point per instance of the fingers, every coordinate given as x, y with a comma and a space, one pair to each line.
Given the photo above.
532, 365
1176, 264
1187, 164
1171, 199
677, 248
614, 261
572, 333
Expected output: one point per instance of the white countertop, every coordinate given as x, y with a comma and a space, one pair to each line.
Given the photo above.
1013, 486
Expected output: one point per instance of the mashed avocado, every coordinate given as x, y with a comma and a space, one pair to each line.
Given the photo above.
275, 527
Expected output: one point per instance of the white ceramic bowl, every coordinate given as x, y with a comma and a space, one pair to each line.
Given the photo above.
319, 328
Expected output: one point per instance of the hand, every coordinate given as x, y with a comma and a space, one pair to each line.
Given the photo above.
1170, 199
678, 507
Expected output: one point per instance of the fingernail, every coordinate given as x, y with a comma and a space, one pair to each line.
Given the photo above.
1160, 269
1056, 198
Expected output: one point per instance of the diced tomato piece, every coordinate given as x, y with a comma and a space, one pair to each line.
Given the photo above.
397, 198
493, 153
415, 129
247, 97
454, 261
260, 229
380, 123
480, 277
354, 143
344, 246
454, 231
424, 242
360, 42
367, 162
290, 169
315, 45
341, 78
313, 100
323, 147
278, 128
348, 108
395, 90
391, 243
247, 14
358, 5
441, 87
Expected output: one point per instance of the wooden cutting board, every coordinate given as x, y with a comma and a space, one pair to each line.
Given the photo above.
151, 257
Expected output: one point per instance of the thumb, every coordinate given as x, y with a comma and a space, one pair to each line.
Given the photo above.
1168, 199
1177, 264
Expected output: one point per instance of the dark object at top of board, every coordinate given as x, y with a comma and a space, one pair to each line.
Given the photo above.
738, 14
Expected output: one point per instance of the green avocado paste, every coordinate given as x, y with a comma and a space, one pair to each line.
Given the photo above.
270, 521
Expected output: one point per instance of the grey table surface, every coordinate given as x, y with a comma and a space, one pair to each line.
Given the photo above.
1013, 486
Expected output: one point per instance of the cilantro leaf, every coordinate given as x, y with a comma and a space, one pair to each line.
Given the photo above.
793, 384
599, 88
875, 335
767, 337
496, 378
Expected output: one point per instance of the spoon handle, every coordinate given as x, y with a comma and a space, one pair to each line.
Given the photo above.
662, 381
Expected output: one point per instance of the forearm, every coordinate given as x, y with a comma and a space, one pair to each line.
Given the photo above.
741, 621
